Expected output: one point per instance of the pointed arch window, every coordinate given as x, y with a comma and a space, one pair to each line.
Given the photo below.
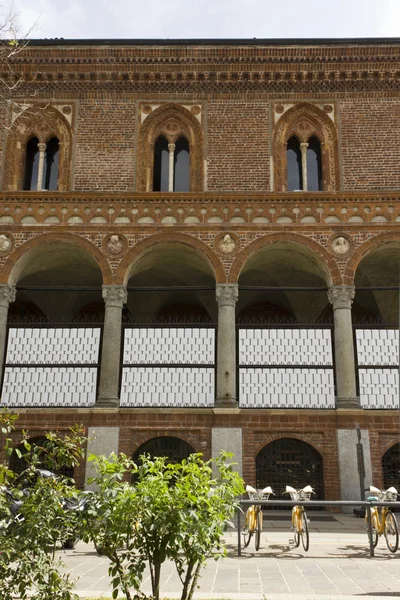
304, 165
41, 165
171, 168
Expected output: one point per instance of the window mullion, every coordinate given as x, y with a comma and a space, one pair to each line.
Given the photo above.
304, 148
171, 148
42, 152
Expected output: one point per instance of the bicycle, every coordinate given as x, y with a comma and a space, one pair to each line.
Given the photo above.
254, 516
299, 516
385, 522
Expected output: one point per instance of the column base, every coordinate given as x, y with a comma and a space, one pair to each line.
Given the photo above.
229, 402
107, 403
347, 403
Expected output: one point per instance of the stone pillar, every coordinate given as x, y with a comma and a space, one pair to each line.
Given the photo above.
341, 298
171, 148
7, 295
230, 440
350, 488
304, 148
115, 296
227, 295
102, 441
42, 151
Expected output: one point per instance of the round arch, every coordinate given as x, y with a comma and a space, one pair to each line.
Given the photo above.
173, 448
391, 467
290, 461
18, 464
324, 259
172, 121
125, 267
373, 244
23, 254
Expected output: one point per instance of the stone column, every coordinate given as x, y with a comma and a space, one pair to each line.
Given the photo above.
341, 298
304, 148
227, 295
115, 296
42, 151
7, 295
171, 148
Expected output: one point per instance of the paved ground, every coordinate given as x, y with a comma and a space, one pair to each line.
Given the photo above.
337, 564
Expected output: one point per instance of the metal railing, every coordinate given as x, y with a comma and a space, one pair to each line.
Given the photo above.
361, 503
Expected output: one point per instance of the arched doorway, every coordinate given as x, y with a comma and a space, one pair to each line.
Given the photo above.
172, 448
289, 461
18, 464
391, 467
285, 325
169, 329
375, 320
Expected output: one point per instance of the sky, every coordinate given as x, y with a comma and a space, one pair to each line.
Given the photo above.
185, 19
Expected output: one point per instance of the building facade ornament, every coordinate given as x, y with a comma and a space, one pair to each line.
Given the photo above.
114, 295
7, 294
227, 294
5, 243
340, 245
341, 296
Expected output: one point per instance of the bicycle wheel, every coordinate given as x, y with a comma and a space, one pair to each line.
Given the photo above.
374, 527
258, 529
305, 536
296, 529
391, 532
248, 528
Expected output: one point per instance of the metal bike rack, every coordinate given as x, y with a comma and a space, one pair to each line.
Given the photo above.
310, 503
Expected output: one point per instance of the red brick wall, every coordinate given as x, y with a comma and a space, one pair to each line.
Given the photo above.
105, 143
237, 145
370, 129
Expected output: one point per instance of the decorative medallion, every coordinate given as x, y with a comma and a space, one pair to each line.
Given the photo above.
340, 246
147, 109
195, 110
5, 243
226, 243
115, 245
279, 109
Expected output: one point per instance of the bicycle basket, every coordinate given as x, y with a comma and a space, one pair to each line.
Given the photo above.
305, 496
390, 497
258, 495
294, 496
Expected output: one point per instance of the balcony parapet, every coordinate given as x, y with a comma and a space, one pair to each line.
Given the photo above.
75, 209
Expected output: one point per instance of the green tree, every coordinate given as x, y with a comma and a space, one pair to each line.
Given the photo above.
28, 540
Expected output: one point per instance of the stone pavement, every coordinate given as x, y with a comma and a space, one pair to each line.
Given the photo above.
337, 564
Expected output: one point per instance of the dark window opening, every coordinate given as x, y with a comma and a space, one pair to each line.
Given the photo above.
294, 168
19, 464
314, 165
51, 164
181, 166
161, 165
31, 165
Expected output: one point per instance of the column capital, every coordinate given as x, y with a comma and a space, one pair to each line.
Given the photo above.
42, 146
7, 294
304, 146
227, 294
341, 296
171, 147
114, 295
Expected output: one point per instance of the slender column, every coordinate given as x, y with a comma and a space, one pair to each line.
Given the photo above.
171, 148
341, 298
227, 295
42, 154
115, 296
7, 295
304, 148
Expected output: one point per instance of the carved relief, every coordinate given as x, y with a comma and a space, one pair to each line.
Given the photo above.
6, 243
304, 120
340, 245
115, 245
43, 122
226, 244
171, 121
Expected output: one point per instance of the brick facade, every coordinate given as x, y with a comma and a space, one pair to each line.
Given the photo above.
235, 95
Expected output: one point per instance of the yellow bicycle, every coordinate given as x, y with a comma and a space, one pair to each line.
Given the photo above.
254, 515
299, 516
384, 523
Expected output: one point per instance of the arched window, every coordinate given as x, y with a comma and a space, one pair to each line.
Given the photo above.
175, 156
294, 166
391, 467
181, 166
18, 462
31, 164
41, 165
51, 164
314, 165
